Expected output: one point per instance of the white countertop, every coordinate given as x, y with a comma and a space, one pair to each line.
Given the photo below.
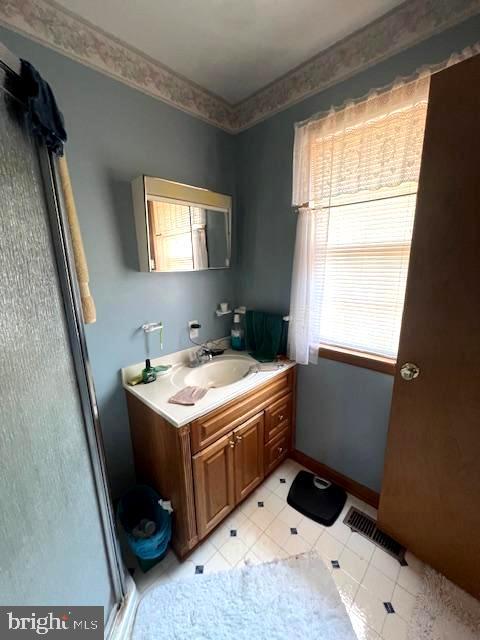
156, 394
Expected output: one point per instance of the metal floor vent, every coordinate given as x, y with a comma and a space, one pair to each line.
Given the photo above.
366, 526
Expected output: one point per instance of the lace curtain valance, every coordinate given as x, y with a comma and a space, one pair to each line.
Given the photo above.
367, 148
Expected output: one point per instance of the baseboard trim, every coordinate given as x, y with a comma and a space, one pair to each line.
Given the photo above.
351, 486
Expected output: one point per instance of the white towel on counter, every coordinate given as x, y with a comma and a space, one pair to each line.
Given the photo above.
188, 396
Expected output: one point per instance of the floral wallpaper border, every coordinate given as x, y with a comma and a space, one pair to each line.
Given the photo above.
409, 23
401, 28
53, 26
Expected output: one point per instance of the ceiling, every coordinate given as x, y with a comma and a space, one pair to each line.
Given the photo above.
232, 63
232, 48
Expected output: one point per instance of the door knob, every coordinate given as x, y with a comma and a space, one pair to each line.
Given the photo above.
409, 371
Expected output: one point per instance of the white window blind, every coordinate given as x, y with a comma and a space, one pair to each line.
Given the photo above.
361, 274
355, 181
172, 236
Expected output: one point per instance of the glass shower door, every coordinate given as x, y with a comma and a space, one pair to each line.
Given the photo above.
53, 548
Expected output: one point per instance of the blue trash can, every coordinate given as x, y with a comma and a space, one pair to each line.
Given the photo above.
143, 502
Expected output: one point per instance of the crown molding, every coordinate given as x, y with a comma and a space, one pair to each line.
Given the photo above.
408, 24
403, 27
53, 26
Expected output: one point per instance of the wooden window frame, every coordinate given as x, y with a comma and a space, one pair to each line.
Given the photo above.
358, 358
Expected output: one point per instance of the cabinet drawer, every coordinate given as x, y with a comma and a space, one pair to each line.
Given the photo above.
278, 417
207, 429
276, 450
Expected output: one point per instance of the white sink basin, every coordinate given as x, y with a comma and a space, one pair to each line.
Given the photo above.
220, 372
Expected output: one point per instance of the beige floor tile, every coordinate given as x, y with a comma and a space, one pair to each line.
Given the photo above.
185, 569
361, 628
290, 516
233, 550
250, 558
351, 563
346, 585
395, 628
385, 563
234, 520
310, 530
282, 490
339, 531
203, 553
216, 563
250, 505
361, 546
378, 584
295, 545
267, 550
262, 517
369, 609
329, 547
411, 579
249, 533
403, 602
278, 531
274, 503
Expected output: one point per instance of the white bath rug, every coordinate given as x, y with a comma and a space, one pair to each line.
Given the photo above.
293, 598
443, 611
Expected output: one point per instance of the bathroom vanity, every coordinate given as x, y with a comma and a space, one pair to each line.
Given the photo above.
209, 457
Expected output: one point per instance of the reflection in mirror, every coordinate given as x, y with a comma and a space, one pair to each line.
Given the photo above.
177, 234
170, 237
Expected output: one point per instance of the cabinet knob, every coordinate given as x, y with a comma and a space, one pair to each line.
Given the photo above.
238, 438
280, 417
231, 443
280, 450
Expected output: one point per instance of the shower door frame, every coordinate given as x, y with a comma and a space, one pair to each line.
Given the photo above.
123, 587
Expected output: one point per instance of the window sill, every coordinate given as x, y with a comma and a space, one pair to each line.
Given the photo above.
358, 359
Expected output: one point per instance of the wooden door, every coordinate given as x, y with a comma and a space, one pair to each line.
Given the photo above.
430, 499
213, 472
248, 456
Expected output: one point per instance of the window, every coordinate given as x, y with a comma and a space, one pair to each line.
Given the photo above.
365, 265
355, 183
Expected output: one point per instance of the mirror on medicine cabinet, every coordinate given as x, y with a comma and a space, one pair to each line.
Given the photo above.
179, 227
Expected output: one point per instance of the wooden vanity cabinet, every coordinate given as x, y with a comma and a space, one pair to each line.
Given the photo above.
248, 461
207, 467
214, 483
226, 472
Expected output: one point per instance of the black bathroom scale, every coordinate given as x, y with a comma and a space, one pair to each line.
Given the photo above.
316, 498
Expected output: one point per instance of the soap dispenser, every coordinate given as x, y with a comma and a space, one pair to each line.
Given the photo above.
148, 374
237, 334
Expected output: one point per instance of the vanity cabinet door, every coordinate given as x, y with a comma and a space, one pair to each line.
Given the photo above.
248, 456
213, 472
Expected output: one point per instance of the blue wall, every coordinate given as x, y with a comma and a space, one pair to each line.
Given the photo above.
115, 134
342, 411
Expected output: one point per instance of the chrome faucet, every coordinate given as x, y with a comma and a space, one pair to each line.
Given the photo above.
200, 356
